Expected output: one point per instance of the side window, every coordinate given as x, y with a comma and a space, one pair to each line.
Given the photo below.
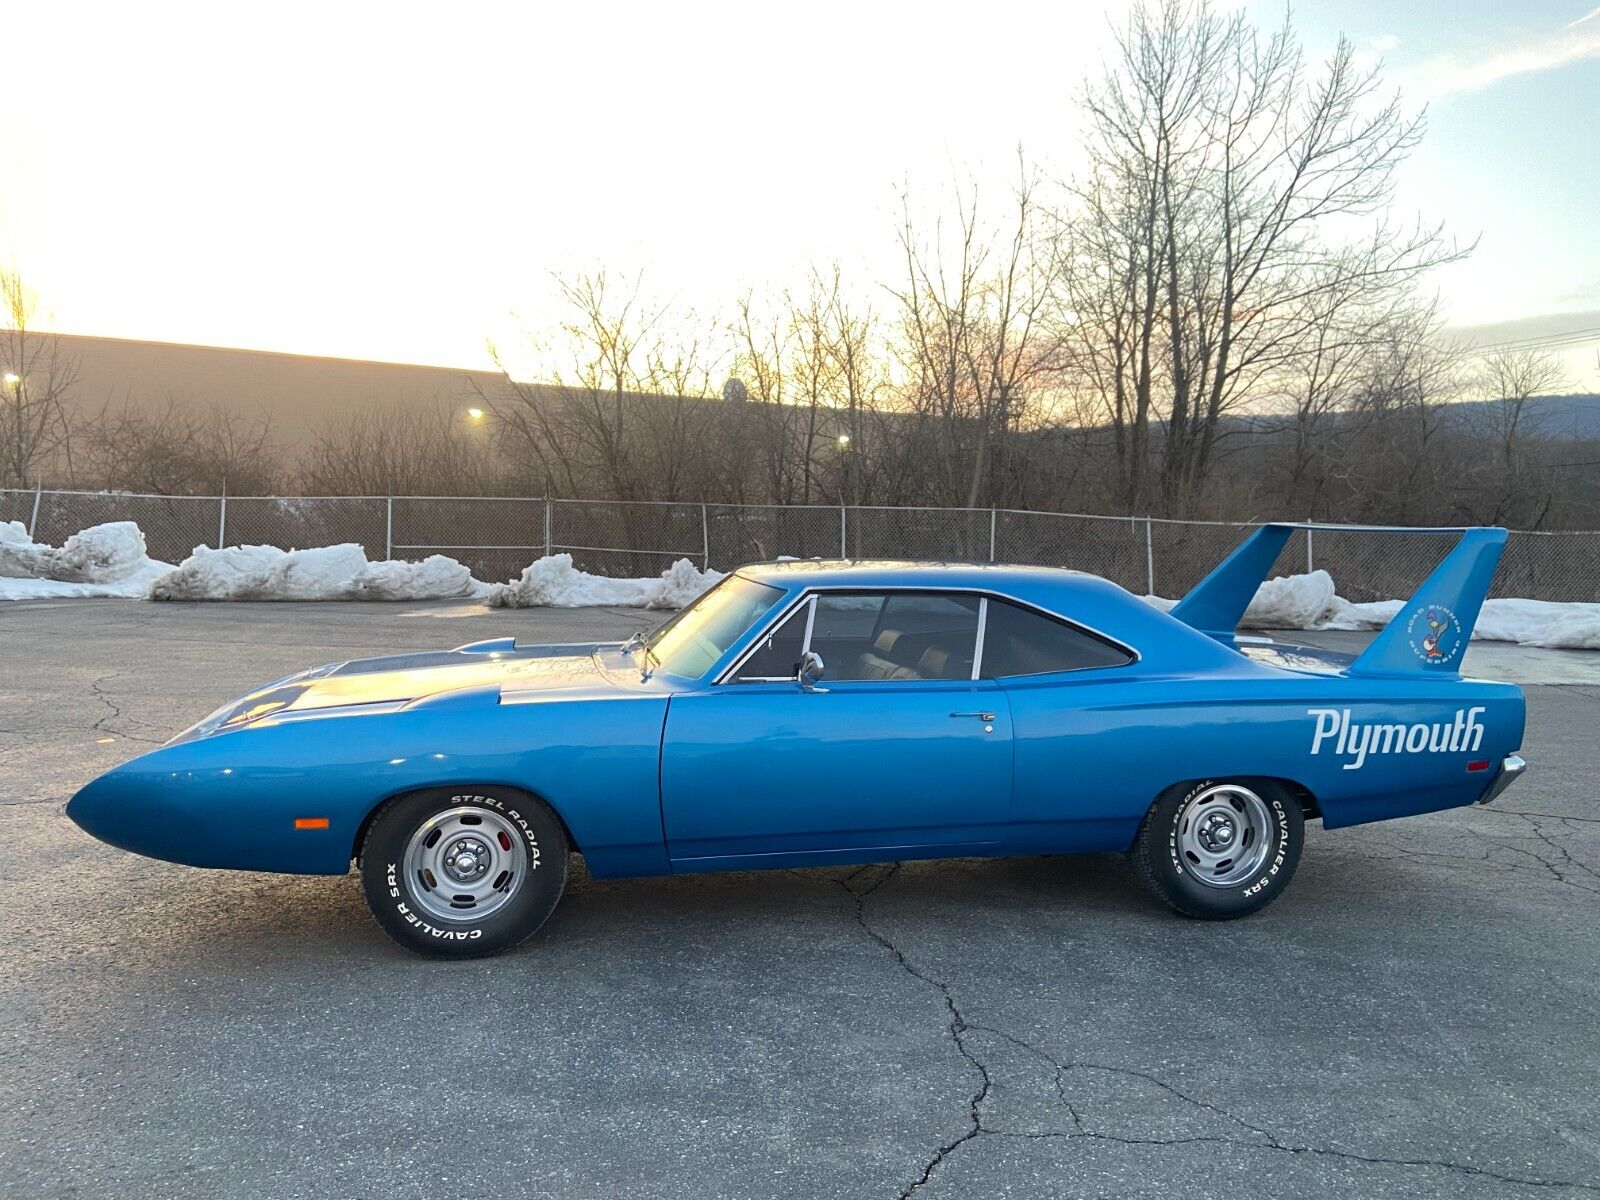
1019, 641
895, 636
778, 657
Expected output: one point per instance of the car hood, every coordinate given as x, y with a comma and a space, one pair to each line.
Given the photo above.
395, 680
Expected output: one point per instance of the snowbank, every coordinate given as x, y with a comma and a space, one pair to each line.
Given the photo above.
553, 582
326, 573
103, 560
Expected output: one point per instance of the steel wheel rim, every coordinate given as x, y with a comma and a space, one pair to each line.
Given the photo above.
1224, 835
465, 864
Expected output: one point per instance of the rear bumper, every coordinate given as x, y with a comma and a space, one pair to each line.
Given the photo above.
1511, 767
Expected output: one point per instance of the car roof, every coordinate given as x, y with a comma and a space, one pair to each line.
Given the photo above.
1088, 601
891, 572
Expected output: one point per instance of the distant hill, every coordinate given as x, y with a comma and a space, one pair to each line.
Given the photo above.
298, 392
1575, 416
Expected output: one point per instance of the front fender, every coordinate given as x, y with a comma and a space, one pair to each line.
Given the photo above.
232, 800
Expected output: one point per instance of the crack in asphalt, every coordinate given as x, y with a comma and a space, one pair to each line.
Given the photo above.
32, 800
97, 687
1514, 812
1566, 859
1560, 869
960, 1028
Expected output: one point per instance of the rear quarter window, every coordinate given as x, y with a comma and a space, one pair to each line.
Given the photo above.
1020, 641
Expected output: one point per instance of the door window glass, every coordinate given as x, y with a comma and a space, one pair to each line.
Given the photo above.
778, 655
895, 636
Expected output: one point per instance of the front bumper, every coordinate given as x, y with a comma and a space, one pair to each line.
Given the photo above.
1512, 766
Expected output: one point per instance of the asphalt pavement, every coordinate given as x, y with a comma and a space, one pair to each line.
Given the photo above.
1418, 1016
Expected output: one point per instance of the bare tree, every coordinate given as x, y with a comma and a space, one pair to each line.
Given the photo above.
38, 376
626, 413
421, 449
1510, 378
974, 337
1234, 206
177, 447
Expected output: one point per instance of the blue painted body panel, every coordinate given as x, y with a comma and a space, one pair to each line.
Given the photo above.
654, 773
768, 768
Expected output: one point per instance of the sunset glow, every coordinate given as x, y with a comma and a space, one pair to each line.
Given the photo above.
377, 181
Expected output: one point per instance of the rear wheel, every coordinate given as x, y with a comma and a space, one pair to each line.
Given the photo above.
463, 873
1220, 849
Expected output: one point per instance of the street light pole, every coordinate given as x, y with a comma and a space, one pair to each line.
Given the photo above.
849, 467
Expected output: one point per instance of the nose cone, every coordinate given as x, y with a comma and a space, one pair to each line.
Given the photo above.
93, 808
126, 808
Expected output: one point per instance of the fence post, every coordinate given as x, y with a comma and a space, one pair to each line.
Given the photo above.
1149, 559
705, 539
388, 527
1310, 561
547, 526
992, 513
843, 550
222, 519
33, 521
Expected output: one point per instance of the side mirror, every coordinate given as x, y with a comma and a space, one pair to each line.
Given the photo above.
810, 670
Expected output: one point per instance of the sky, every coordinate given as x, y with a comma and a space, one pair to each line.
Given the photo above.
400, 181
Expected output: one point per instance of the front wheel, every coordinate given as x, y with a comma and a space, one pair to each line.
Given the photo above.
463, 872
1220, 849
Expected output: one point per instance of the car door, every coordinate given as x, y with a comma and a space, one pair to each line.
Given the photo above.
897, 745
1076, 716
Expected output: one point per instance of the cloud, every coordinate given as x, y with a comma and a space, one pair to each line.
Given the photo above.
1451, 74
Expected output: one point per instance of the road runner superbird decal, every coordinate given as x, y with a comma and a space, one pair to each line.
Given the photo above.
1463, 733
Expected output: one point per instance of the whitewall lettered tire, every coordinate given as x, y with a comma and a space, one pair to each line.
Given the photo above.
1220, 848
463, 872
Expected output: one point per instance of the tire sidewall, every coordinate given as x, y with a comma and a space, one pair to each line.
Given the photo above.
390, 895
1260, 889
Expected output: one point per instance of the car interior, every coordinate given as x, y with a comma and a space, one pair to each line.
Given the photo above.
926, 635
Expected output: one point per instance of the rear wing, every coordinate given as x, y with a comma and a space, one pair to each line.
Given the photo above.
1429, 634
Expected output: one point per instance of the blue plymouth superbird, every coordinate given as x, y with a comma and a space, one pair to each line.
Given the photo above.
816, 713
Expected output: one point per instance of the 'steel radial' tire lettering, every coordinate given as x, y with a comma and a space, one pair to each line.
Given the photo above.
463, 872
1220, 848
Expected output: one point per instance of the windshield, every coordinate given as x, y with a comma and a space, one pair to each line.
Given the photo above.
700, 634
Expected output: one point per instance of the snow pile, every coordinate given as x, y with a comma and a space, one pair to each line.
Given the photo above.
103, 560
1294, 602
100, 554
553, 582
20, 556
436, 575
339, 572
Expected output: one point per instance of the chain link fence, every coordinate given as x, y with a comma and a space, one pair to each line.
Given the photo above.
497, 536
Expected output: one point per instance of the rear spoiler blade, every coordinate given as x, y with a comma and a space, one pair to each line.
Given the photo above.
1428, 636
1218, 602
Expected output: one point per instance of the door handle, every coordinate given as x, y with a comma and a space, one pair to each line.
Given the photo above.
982, 716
